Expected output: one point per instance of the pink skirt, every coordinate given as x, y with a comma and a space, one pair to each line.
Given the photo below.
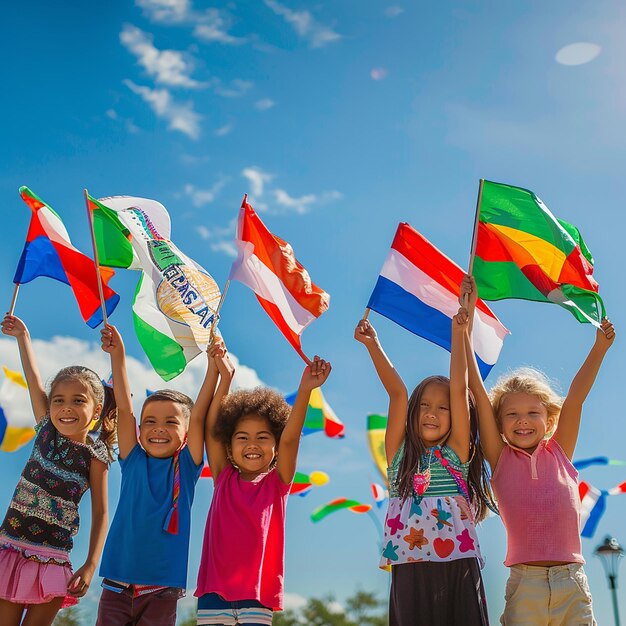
28, 581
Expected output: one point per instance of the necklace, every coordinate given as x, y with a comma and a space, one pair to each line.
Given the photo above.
421, 480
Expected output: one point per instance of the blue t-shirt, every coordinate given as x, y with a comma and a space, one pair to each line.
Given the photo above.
138, 550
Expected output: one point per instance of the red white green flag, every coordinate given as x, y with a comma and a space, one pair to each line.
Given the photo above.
523, 251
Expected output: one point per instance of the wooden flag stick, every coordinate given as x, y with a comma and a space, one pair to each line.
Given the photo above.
470, 268
14, 299
95, 258
367, 313
216, 319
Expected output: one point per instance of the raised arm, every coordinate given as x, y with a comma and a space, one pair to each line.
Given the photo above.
15, 327
126, 425
195, 434
490, 437
215, 449
389, 377
569, 421
459, 439
98, 483
314, 376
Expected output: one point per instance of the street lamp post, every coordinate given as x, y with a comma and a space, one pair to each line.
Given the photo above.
610, 553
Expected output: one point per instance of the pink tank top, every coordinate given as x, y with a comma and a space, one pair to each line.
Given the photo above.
539, 504
243, 554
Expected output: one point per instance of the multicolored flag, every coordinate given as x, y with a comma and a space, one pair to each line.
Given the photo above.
176, 299
523, 251
419, 287
283, 287
376, 427
319, 416
49, 252
337, 505
17, 425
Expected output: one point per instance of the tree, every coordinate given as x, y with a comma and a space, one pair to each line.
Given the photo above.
362, 609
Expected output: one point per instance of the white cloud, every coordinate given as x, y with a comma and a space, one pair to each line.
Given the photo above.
578, 53
236, 89
112, 114
58, 352
202, 197
302, 204
222, 131
213, 28
378, 73
294, 601
227, 247
257, 178
264, 104
393, 11
167, 67
179, 115
318, 35
168, 11
211, 25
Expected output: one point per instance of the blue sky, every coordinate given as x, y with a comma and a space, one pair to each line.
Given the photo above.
340, 120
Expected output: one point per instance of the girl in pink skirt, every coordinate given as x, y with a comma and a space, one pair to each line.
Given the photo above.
69, 457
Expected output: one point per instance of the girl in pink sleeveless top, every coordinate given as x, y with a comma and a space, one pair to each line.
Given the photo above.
528, 434
252, 440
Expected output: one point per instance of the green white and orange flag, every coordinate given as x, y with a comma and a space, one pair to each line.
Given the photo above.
523, 251
176, 299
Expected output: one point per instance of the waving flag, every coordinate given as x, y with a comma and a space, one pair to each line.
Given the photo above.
376, 427
419, 287
337, 505
17, 425
175, 301
593, 505
596, 460
282, 286
49, 252
523, 251
319, 416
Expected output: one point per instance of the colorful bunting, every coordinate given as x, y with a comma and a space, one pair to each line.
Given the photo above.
319, 416
596, 460
17, 425
337, 505
380, 494
593, 505
376, 426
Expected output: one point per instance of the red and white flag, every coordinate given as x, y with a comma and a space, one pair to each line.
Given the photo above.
269, 267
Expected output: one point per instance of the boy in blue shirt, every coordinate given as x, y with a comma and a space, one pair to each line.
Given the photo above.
144, 563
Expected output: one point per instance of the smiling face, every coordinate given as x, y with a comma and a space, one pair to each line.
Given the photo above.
73, 408
163, 428
524, 420
253, 446
434, 413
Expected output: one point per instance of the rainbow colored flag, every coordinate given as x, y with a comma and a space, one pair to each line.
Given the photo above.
524, 252
48, 251
17, 425
319, 416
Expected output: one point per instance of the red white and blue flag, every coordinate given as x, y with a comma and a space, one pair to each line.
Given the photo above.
419, 287
593, 505
48, 251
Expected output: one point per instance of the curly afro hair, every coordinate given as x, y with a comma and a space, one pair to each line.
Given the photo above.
259, 401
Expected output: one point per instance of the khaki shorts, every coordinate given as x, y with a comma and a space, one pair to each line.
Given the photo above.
547, 596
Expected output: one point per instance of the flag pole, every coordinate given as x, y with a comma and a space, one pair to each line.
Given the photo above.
14, 299
367, 313
475, 232
217, 311
470, 268
95, 258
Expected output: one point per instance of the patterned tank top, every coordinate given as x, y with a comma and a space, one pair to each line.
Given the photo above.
435, 525
43, 515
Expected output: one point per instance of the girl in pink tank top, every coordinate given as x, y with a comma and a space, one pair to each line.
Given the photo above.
252, 440
528, 434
